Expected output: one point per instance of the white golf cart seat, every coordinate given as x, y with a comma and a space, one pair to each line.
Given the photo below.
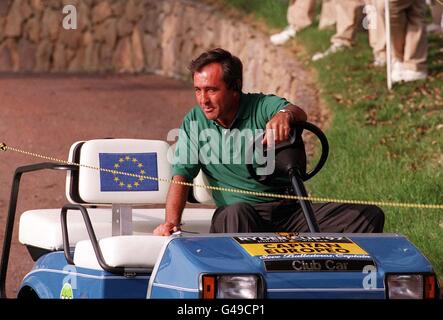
124, 234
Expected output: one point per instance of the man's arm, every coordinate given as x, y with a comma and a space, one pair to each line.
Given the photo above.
175, 203
298, 114
282, 122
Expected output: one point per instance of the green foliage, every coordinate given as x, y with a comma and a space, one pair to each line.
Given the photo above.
273, 12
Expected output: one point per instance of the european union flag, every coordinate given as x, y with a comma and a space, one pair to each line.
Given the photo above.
143, 164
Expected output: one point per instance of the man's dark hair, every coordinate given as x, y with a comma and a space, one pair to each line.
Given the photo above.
231, 66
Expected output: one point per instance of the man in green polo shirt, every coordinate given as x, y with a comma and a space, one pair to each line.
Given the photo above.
214, 138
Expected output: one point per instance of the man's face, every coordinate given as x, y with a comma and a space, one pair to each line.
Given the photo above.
214, 98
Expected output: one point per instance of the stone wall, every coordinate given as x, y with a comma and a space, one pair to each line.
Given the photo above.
159, 36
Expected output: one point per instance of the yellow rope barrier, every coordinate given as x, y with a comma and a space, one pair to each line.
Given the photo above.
4, 147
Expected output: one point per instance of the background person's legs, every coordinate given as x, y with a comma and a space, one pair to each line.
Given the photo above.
398, 20
409, 39
348, 13
416, 44
301, 14
327, 16
436, 12
377, 35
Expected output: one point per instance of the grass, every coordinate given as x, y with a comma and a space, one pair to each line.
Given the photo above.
384, 146
270, 11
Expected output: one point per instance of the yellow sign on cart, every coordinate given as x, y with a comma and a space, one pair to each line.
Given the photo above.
292, 244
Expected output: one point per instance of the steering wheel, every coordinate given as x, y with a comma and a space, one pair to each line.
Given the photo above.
291, 156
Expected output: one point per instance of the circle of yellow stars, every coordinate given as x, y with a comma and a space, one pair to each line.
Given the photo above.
135, 162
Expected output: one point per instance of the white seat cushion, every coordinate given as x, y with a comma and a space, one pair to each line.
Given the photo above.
42, 228
121, 251
202, 195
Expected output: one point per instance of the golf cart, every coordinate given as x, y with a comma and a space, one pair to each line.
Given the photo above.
100, 245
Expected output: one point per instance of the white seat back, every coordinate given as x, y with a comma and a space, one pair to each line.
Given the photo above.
146, 159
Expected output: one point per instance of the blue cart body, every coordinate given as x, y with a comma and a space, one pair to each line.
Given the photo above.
185, 259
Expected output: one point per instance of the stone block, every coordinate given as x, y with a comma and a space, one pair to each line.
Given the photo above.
91, 57
133, 10
87, 39
26, 53
32, 29
71, 38
150, 22
137, 50
101, 11
43, 55
70, 54
4, 7
2, 28
59, 58
106, 32
77, 62
118, 8
14, 20
153, 52
83, 16
124, 26
5, 58
25, 10
105, 56
51, 24
37, 6
53, 4
122, 59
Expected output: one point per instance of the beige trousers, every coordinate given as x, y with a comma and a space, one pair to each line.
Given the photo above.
301, 14
377, 31
437, 12
327, 16
408, 33
348, 13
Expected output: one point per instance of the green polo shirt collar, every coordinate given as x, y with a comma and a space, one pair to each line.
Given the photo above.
243, 113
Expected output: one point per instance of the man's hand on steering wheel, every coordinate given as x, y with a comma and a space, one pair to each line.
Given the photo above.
291, 155
279, 127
